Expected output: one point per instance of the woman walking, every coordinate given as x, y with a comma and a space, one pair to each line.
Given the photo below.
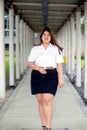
47, 74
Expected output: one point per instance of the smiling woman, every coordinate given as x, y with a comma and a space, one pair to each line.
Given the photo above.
45, 61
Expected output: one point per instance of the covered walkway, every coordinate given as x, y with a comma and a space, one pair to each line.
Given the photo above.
21, 113
27, 17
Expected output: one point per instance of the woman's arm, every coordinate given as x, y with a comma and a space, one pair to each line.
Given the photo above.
60, 74
35, 67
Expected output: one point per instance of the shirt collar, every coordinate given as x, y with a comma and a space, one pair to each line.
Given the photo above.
50, 45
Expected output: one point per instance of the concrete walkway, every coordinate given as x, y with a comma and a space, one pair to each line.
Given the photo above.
20, 112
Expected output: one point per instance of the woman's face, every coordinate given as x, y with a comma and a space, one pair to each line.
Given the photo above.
46, 37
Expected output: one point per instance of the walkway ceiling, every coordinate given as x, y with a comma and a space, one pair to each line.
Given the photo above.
41, 13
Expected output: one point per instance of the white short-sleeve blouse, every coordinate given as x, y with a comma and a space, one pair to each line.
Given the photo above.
45, 57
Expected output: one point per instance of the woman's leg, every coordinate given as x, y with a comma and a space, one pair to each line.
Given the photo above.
48, 108
41, 109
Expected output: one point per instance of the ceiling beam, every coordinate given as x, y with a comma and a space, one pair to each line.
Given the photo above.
63, 5
35, 23
40, 20
36, 20
58, 17
49, 17
59, 12
40, 16
53, 24
32, 16
27, 4
38, 11
50, 5
29, 11
45, 12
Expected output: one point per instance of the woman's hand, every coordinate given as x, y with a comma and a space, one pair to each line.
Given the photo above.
38, 68
60, 75
61, 83
42, 70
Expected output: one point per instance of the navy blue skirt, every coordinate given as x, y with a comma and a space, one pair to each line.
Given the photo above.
44, 83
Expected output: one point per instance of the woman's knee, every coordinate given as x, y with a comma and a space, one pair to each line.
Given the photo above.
39, 98
47, 99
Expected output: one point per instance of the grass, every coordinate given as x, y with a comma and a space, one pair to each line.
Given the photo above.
82, 63
7, 65
6, 53
7, 69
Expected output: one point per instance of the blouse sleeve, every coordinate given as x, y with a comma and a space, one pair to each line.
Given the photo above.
32, 55
59, 57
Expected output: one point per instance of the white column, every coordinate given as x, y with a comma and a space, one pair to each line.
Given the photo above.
62, 37
72, 46
65, 45
28, 40
58, 37
23, 38
2, 53
27, 43
21, 46
24, 44
27, 51
85, 67
64, 40
17, 49
31, 41
68, 47
11, 47
78, 49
